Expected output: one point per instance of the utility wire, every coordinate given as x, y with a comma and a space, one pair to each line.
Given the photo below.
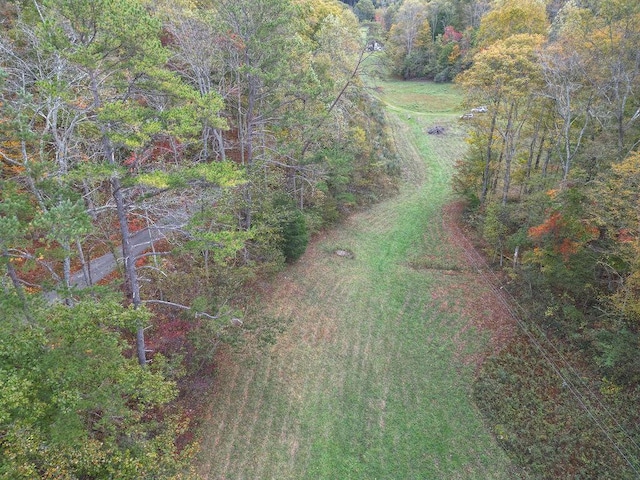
493, 281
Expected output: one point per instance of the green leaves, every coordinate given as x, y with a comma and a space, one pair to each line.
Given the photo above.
225, 174
63, 222
222, 174
71, 398
223, 244
15, 396
132, 125
103, 33
10, 230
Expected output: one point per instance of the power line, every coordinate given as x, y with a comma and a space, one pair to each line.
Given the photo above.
485, 271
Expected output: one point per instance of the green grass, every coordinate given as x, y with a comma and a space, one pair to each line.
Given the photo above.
419, 97
411, 97
371, 380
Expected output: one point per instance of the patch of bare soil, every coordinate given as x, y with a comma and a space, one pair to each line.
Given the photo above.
482, 300
344, 253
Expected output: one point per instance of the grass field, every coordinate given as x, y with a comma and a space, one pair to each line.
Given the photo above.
372, 377
420, 97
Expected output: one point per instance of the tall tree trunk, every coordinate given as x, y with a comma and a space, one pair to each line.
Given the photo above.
66, 269
131, 274
540, 149
510, 147
487, 163
247, 193
217, 133
83, 263
532, 154
496, 177
545, 165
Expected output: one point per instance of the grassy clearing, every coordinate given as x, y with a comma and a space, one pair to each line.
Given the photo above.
421, 98
371, 378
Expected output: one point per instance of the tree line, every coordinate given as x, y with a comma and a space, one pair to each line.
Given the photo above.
551, 179
425, 39
551, 168
237, 128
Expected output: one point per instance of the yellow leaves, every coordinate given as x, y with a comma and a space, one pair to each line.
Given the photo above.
619, 194
455, 54
627, 299
605, 38
506, 68
423, 38
609, 387
316, 11
629, 168
512, 17
359, 136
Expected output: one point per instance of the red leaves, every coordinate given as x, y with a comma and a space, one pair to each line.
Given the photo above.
565, 236
549, 226
625, 235
136, 224
451, 35
162, 149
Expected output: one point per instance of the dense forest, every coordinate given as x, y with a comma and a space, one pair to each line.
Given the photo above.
231, 130
228, 132
551, 179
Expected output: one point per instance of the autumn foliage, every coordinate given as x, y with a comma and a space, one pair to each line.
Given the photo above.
564, 236
555, 154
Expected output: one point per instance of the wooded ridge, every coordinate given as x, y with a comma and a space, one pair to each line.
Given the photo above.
248, 116
250, 120
551, 183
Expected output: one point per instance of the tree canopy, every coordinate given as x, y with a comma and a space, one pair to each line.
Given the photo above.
223, 132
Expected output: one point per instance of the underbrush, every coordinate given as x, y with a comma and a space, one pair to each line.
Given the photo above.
563, 398
555, 416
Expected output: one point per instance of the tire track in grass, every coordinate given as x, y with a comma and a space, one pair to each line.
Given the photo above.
231, 373
256, 408
311, 334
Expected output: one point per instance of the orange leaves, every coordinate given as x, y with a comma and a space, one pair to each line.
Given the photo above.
553, 193
567, 248
564, 235
10, 149
592, 232
12, 170
141, 262
549, 226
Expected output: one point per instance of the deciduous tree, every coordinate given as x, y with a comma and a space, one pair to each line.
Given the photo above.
512, 17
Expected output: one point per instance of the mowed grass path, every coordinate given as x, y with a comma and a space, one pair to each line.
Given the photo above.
372, 378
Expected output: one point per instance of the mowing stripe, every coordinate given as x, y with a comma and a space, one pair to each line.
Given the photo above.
371, 379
